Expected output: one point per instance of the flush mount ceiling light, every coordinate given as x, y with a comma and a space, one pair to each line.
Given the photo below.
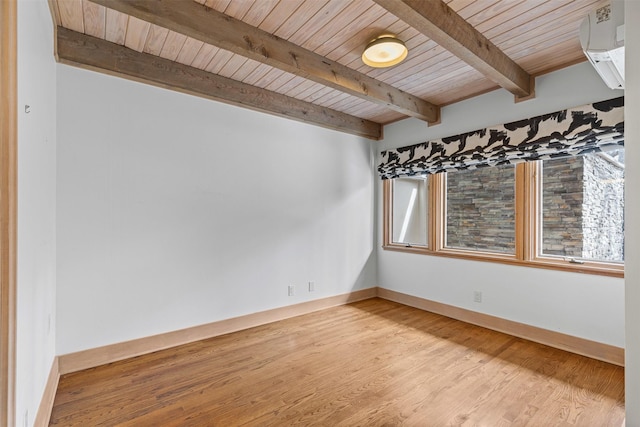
384, 51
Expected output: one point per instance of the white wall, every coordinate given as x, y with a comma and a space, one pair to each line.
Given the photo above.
582, 305
36, 275
175, 211
632, 213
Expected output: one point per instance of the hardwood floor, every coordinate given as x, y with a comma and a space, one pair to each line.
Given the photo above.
371, 363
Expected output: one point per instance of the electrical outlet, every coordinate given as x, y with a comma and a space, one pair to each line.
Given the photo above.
312, 286
477, 296
292, 290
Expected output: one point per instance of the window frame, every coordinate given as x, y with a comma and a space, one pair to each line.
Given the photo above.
428, 226
534, 204
388, 221
528, 192
442, 213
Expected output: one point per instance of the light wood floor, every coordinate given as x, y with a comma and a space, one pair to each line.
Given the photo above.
372, 363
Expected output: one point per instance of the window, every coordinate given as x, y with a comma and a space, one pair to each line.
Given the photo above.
480, 209
582, 208
565, 213
409, 223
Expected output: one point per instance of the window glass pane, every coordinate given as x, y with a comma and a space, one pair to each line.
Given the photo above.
481, 209
583, 207
409, 218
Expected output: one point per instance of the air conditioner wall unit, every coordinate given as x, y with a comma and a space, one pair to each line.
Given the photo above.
602, 39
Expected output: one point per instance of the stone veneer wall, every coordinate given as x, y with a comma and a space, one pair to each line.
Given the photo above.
481, 209
562, 199
583, 209
603, 209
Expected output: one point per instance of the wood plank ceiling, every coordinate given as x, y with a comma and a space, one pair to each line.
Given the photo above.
301, 58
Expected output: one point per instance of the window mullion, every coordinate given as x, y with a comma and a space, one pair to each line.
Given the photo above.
438, 211
520, 207
387, 212
532, 210
526, 210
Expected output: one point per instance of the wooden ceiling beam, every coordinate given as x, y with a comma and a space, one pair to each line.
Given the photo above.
215, 28
78, 49
443, 25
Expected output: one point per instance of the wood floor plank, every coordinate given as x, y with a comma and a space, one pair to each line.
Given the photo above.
373, 363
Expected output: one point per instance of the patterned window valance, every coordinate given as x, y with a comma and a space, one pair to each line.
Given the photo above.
572, 132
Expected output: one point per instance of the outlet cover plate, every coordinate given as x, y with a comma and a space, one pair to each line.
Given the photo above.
477, 296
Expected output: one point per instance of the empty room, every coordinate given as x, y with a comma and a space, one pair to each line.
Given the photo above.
319, 212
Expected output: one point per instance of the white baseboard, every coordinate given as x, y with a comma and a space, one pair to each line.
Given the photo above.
584, 347
90, 358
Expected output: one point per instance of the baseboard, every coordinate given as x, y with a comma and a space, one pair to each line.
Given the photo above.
46, 403
90, 358
592, 349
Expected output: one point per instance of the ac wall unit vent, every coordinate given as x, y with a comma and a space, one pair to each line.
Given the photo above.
602, 39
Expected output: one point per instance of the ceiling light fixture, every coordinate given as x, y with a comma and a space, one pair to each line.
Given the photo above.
384, 51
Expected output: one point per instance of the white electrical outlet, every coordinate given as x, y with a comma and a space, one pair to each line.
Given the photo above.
477, 296
292, 290
312, 286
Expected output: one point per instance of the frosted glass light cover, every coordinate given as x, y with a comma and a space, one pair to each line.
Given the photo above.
383, 52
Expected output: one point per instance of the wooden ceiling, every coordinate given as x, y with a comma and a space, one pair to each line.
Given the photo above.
301, 59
